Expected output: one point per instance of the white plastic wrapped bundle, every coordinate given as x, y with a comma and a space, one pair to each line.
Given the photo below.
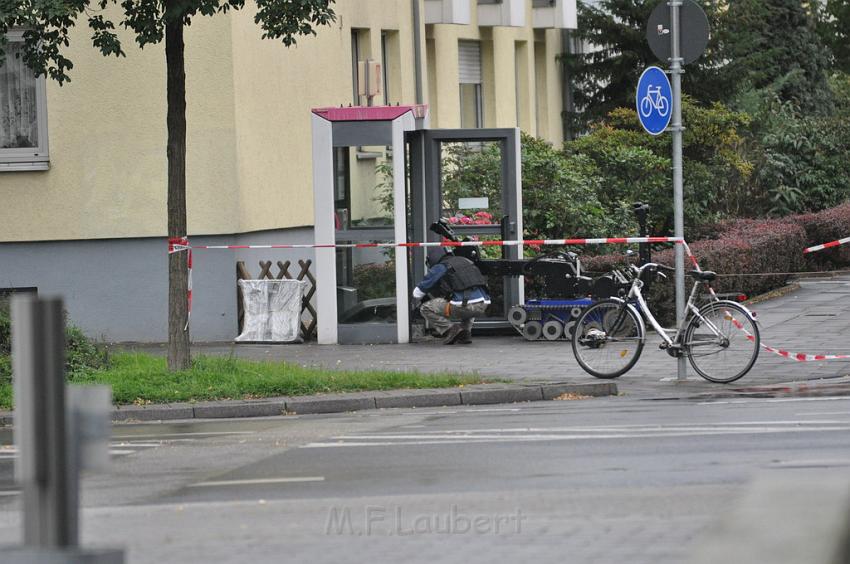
272, 310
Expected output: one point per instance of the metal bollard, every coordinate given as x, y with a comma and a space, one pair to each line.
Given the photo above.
38, 360
54, 443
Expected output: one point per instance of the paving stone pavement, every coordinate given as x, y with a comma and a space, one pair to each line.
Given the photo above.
813, 319
552, 529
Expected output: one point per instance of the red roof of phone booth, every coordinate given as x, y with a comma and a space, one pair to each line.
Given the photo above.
370, 113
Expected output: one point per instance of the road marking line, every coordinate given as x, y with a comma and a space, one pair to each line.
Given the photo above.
484, 410
601, 428
112, 450
9, 493
135, 444
782, 400
817, 463
260, 481
659, 432
431, 440
149, 437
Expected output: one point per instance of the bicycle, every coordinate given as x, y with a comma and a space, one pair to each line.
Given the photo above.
654, 100
719, 338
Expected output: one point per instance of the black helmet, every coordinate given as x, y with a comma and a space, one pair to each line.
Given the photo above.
435, 255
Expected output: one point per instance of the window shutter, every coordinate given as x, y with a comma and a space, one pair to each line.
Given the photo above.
469, 65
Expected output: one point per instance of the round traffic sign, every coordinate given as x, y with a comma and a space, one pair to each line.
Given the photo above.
654, 100
693, 37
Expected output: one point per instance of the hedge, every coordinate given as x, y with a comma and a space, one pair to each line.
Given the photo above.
823, 227
751, 246
741, 247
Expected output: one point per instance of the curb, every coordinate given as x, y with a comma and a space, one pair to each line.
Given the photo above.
478, 394
773, 294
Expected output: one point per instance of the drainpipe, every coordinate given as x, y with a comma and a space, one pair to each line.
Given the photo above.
417, 51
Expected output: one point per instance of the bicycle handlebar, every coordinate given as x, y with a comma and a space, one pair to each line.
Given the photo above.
651, 267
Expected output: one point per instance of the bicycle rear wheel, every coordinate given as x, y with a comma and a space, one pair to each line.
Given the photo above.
608, 339
722, 342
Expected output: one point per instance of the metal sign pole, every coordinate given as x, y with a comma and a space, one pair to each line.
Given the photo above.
678, 198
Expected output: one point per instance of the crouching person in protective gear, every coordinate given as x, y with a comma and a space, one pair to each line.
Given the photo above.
459, 295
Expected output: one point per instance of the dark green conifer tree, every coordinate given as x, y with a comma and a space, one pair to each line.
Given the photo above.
772, 45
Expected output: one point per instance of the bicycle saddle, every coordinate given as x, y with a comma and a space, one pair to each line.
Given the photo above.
705, 275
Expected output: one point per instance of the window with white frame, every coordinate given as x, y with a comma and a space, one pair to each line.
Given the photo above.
23, 111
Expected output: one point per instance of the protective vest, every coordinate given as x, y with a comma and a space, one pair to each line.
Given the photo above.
462, 275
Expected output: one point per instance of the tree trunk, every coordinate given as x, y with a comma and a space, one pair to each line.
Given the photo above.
178, 279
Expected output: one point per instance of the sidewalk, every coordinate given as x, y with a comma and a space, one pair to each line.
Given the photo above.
812, 319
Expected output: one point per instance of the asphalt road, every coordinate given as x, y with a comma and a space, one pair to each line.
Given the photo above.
601, 480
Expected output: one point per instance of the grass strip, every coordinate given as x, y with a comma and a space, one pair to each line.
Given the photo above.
138, 378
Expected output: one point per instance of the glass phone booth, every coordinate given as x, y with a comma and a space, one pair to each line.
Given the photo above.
379, 175
359, 188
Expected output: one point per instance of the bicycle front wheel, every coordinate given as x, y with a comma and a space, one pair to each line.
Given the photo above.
722, 341
608, 339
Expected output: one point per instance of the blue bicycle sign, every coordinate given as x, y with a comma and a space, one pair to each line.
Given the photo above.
653, 100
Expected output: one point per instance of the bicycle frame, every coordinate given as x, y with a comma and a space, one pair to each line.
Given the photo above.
692, 310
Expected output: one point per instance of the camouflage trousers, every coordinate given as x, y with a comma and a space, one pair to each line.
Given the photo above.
441, 314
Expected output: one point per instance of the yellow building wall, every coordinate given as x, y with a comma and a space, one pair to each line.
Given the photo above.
554, 125
107, 138
275, 90
248, 120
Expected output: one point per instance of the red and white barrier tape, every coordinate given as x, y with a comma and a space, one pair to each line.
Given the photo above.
829, 245
799, 357
181, 244
178, 245
540, 242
